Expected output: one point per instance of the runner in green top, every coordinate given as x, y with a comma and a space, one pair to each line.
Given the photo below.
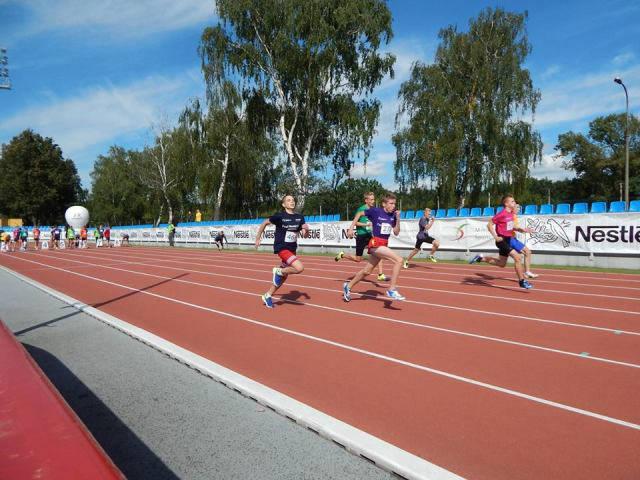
363, 235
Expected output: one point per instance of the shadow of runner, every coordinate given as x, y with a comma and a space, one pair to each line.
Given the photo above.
376, 296
292, 296
130, 454
484, 282
130, 294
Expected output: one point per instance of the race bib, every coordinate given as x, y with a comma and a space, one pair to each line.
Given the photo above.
509, 226
291, 237
385, 229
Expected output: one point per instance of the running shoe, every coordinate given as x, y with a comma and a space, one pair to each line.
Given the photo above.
267, 300
531, 275
277, 276
432, 259
525, 284
383, 278
346, 292
475, 259
339, 257
394, 294
405, 264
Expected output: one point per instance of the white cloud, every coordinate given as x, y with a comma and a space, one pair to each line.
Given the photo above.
103, 113
550, 72
623, 58
125, 18
380, 165
551, 168
584, 96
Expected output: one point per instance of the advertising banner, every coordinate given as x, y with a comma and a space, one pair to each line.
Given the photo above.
599, 233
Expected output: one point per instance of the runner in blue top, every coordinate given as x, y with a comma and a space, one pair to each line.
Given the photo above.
384, 221
285, 243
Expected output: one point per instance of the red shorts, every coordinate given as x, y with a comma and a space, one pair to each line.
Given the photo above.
287, 257
376, 242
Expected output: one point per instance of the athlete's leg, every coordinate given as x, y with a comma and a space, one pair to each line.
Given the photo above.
434, 247
518, 264
413, 253
372, 262
385, 253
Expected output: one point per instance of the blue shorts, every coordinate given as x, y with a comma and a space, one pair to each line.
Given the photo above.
516, 244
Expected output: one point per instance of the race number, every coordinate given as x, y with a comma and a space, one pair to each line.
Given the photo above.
291, 237
385, 229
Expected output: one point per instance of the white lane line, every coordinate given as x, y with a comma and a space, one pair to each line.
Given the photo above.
428, 278
366, 315
385, 455
470, 381
437, 305
629, 277
456, 292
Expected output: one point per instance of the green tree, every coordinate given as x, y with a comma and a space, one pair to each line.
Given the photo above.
117, 197
312, 66
37, 183
598, 157
458, 121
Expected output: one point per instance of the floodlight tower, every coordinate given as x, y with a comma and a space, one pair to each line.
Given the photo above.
5, 81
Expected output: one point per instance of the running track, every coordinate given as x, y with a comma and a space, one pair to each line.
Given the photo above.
471, 373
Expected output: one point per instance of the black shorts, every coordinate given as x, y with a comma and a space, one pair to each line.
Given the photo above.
504, 247
56, 237
425, 239
362, 241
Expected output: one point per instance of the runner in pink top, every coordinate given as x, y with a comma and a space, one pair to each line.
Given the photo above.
502, 227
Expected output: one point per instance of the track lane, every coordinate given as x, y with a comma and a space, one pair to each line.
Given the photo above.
610, 344
495, 443
575, 382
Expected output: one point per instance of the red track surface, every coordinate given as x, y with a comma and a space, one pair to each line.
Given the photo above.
472, 373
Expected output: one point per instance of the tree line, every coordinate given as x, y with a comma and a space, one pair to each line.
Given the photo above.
289, 106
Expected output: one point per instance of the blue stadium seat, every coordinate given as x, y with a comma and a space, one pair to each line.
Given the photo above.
499, 209
634, 206
464, 212
335, 217
581, 207
403, 214
599, 207
546, 209
488, 212
563, 209
617, 207
452, 212
410, 215
531, 210
476, 212
440, 213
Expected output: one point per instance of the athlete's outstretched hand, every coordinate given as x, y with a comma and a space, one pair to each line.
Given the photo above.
305, 230
257, 243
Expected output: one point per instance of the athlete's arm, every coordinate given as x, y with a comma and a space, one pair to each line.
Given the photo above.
305, 230
354, 223
396, 229
492, 230
263, 225
430, 224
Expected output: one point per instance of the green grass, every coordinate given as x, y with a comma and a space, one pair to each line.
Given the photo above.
424, 260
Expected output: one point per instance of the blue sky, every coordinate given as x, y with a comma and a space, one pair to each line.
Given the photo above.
93, 74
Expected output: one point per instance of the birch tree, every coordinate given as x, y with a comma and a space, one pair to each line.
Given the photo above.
314, 64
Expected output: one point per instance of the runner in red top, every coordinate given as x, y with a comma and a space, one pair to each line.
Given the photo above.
36, 237
502, 228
